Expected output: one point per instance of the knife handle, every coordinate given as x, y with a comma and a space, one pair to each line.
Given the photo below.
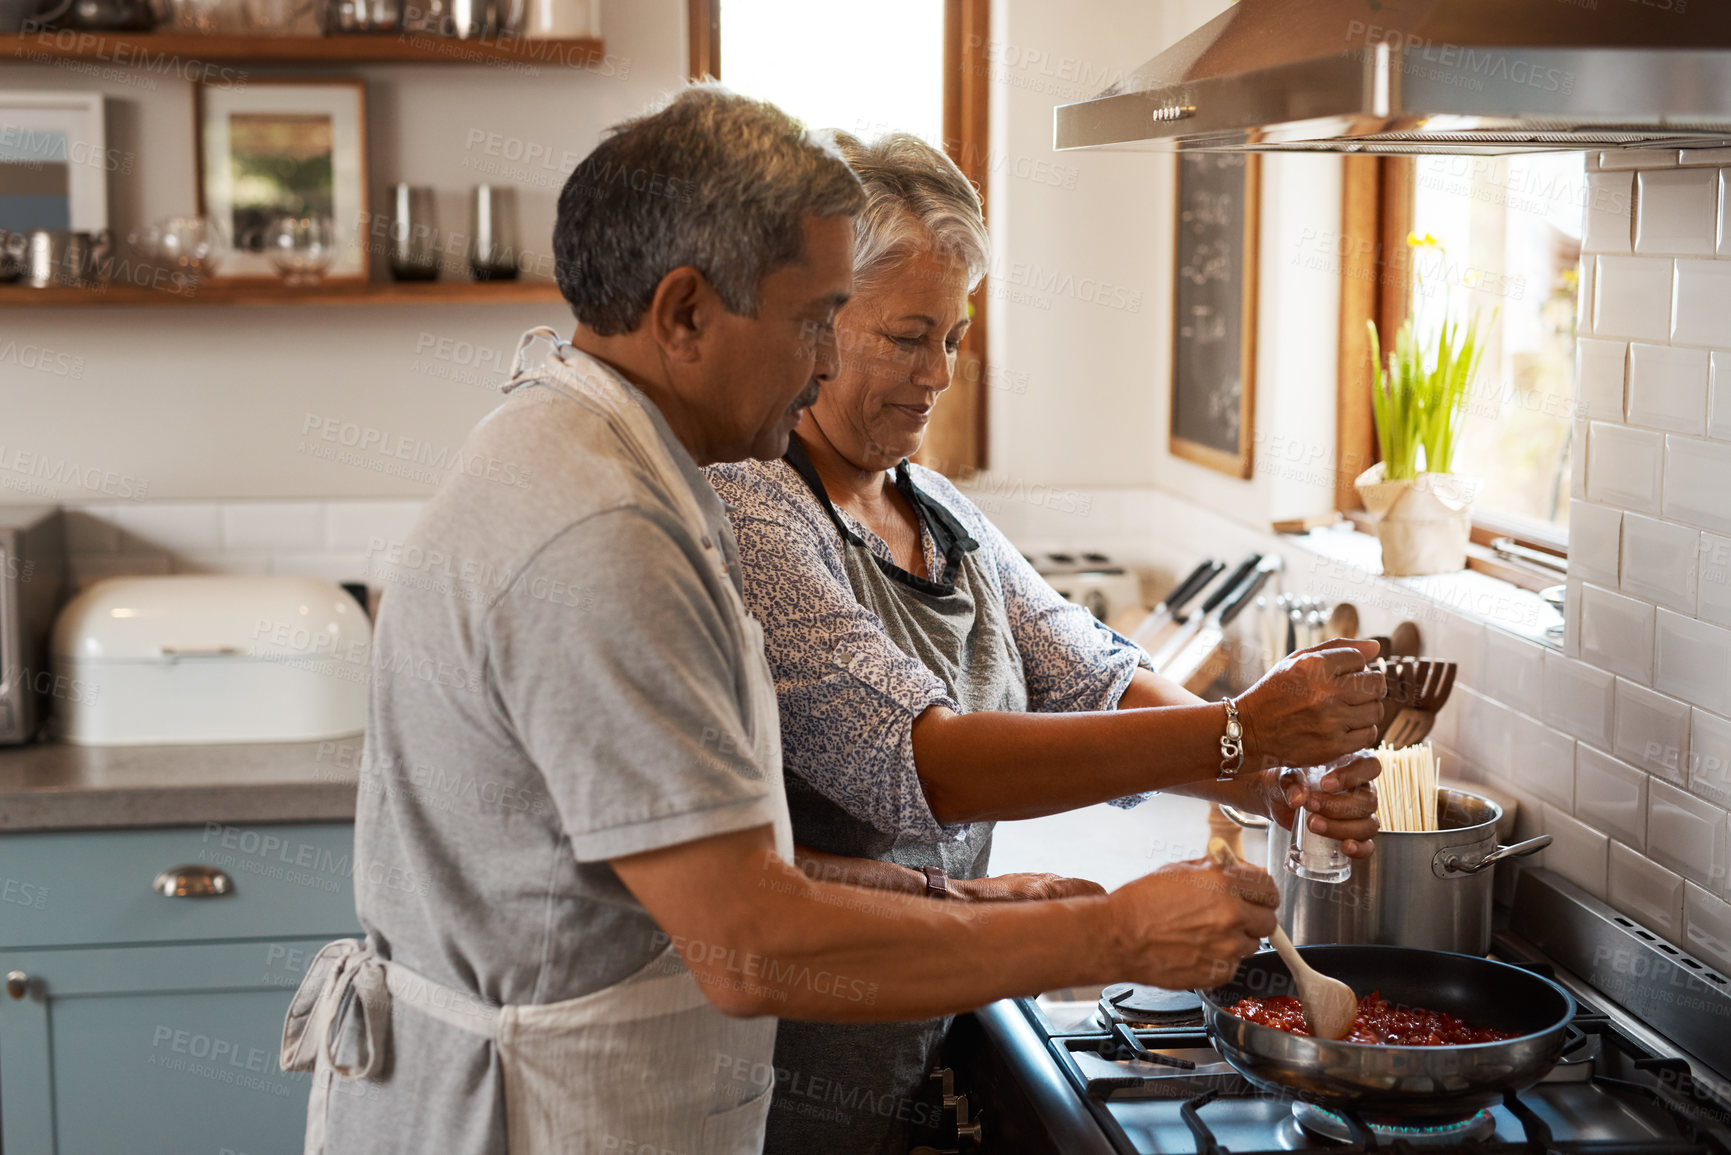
1226, 588
1266, 568
1181, 594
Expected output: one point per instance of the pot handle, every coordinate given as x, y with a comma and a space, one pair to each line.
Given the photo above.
1248, 821
1450, 862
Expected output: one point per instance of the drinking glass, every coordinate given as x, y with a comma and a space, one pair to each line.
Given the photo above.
190, 248
205, 17
1312, 856
467, 19
281, 17
12, 249
426, 17
561, 19
349, 16
493, 229
301, 248
414, 253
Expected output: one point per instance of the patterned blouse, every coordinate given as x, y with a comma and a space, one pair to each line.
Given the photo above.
849, 695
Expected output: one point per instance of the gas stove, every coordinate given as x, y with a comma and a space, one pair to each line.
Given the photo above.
1129, 1069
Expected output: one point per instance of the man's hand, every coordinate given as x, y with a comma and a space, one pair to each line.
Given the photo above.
1022, 888
1188, 924
1313, 706
1344, 808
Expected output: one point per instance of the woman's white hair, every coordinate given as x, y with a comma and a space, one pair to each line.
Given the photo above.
917, 201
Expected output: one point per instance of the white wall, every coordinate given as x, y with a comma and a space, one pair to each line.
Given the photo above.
203, 403
1078, 332
1298, 316
1084, 390
211, 402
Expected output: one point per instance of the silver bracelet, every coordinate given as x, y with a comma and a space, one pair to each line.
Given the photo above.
1231, 745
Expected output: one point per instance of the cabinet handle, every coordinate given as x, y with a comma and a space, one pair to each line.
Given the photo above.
17, 982
192, 882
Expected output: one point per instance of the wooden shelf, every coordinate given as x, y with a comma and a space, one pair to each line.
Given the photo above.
276, 293
141, 49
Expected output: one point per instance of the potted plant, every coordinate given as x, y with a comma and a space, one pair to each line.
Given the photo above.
1419, 399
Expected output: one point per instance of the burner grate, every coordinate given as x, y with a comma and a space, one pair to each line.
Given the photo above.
1145, 1006
1353, 1134
1327, 1124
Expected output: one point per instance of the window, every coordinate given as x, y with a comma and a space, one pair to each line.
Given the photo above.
1420, 235
832, 69
914, 66
1503, 234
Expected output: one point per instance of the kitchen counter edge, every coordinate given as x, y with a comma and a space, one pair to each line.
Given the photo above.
58, 786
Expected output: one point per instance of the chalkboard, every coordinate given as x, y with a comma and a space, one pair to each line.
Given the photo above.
1214, 311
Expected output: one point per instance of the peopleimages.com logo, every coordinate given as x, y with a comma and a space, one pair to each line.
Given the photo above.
1458, 64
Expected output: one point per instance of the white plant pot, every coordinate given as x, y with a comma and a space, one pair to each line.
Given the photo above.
1423, 523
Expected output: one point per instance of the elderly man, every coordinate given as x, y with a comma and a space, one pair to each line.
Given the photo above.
585, 952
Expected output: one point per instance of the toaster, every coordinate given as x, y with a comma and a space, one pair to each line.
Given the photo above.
212, 658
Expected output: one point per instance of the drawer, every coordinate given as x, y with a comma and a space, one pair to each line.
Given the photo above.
87, 888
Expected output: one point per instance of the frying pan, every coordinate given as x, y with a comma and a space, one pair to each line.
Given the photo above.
1405, 1082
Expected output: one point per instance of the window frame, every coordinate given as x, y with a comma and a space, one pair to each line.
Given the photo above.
956, 441
1376, 283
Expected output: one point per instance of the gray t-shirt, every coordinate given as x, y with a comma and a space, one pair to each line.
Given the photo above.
555, 684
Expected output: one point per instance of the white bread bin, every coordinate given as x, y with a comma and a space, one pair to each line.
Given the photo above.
212, 658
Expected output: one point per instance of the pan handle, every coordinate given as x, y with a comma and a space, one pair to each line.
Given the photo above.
1449, 862
1248, 821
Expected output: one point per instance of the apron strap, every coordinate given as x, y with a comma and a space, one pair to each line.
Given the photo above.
797, 457
348, 976
341, 973
947, 533
520, 359
952, 537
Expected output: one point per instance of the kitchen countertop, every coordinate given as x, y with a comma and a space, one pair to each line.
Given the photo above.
55, 786
1108, 844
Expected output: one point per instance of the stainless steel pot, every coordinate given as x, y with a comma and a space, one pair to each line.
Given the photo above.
1429, 890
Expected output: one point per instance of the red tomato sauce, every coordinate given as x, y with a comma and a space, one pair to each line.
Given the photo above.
1376, 1022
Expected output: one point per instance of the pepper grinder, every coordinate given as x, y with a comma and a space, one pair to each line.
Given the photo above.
1312, 856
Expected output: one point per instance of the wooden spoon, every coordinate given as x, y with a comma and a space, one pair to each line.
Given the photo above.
1329, 1004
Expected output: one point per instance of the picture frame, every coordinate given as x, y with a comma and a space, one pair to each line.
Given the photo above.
284, 145
1213, 402
54, 161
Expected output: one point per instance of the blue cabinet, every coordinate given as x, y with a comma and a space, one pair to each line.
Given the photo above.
139, 1022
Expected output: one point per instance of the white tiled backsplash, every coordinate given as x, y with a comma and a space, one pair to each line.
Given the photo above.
327, 539
1618, 744
1649, 598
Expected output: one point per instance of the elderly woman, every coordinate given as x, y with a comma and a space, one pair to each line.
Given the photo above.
931, 682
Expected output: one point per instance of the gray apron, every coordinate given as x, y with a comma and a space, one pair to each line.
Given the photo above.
632, 1066
863, 1088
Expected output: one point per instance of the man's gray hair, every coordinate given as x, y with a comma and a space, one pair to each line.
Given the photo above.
714, 180
917, 201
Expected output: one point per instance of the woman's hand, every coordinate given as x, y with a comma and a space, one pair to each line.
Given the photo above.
1343, 808
1022, 888
1314, 706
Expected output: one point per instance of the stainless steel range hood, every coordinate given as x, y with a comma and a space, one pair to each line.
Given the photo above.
1421, 76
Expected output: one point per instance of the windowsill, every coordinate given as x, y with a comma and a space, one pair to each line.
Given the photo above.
1469, 593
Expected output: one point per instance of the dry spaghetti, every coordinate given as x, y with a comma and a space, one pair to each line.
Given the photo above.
1406, 789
